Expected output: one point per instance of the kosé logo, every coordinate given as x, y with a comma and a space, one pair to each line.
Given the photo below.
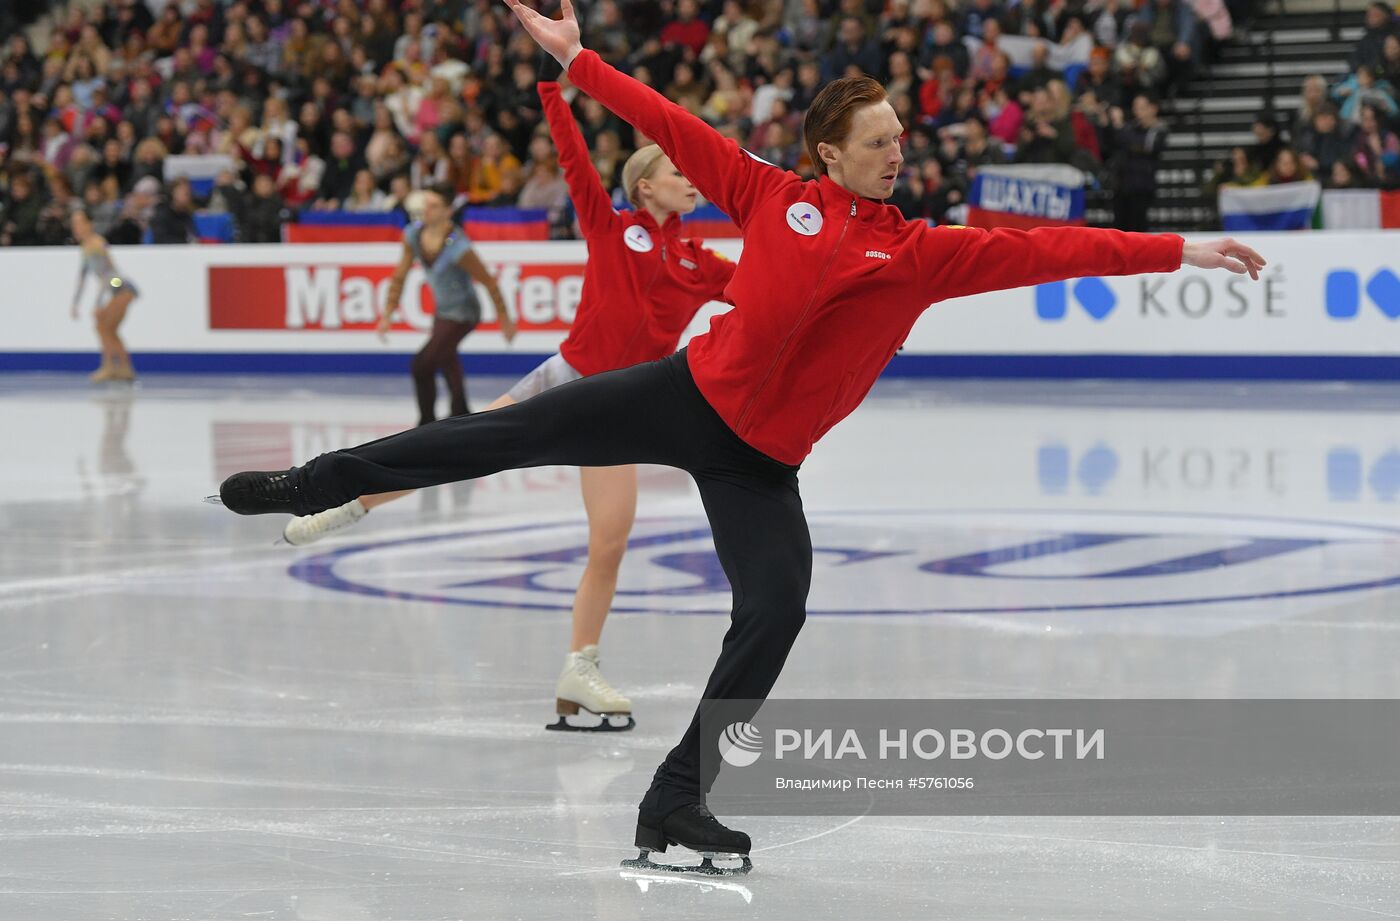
740, 744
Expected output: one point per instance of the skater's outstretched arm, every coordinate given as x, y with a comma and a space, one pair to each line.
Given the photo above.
391, 301
958, 261
591, 201
722, 171
471, 263
82, 282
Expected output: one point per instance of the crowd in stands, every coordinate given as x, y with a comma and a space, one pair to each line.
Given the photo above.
351, 105
1344, 133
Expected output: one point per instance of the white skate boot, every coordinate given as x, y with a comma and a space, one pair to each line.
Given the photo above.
582, 687
308, 529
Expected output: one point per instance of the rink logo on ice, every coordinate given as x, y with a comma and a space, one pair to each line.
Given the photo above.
741, 744
1343, 294
910, 562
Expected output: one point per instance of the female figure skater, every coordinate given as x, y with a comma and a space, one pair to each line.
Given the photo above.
97, 261
451, 266
642, 285
830, 283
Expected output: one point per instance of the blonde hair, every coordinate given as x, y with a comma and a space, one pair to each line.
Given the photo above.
637, 168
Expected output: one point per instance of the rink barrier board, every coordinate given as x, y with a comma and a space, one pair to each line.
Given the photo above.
1327, 307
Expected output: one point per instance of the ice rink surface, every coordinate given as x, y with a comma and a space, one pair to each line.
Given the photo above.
196, 724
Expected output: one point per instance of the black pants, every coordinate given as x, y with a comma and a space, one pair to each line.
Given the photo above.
439, 356
649, 414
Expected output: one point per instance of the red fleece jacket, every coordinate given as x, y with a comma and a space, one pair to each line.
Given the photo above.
642, 284
830, 284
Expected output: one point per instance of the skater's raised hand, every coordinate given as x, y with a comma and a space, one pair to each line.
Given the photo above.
1224, 253
558, 37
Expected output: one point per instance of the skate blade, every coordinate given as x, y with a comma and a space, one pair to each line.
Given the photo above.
705, 867
606, 724
645, 881
214, 500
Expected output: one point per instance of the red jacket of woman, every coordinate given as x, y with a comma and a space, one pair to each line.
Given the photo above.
643, 284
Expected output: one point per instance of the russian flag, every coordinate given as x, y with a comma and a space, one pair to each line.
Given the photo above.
1289, 206
710, 223
507, 223
347, 227
1026, 195
200, 169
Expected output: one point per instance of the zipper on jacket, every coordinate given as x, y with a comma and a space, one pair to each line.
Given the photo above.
646, 316
777, 357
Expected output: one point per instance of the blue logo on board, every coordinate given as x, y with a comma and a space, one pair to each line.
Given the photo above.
1343, 293
1096, 297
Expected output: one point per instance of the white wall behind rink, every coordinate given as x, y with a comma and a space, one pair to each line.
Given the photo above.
1323, 294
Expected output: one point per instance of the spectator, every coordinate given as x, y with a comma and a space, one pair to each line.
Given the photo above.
971, 147
460, 164
495, 175
608, 33
338, 180
1172, 31
688, 31
985, 60
1390, 60
976, 16
364, 196
430, 114
853, 49
544, 186
608, 158
1286, 168
19, 218
174, 219
1267, 142
1138, 149
926, 193
736, 28
259, 216
806, 26
1139, 64
1040, 72
1238, 170
1325, 141
430, 166
1045, 138
300, 178
1313, 96
1364, 88
944, 43
1344, 176
1376, 152
103, 202
1086, 154
1370, 48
